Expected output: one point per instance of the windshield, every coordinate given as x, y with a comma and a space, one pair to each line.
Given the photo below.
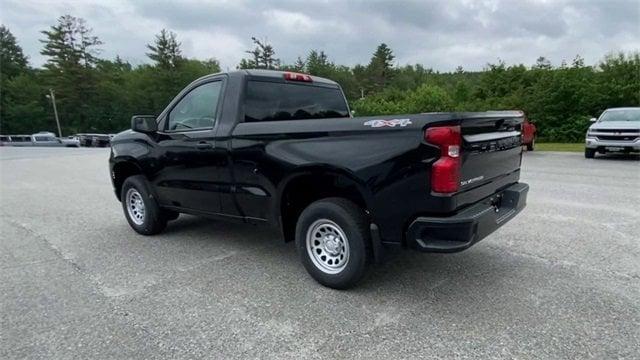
621, 115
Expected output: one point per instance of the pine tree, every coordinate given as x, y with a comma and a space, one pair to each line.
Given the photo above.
72, 56
380, 68
542, 63
87, 44
300, 65
70, 44
318, 64
578, 62
267, 56
262, 57
247, 64
12, 59
165, 50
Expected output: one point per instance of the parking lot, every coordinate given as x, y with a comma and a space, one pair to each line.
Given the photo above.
562, 280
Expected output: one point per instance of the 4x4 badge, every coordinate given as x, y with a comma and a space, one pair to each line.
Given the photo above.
389, 123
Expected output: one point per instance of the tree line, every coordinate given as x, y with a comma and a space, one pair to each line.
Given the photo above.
100, 95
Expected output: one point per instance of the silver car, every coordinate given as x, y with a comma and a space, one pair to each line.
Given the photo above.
45, 138
616, 130
16, 140
71, 141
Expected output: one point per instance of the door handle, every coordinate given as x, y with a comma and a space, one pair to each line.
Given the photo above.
203, 145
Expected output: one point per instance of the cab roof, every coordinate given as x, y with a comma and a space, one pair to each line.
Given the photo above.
270, 74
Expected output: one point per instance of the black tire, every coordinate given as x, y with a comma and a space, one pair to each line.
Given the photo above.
532, 145
589, 153
354, 224
154, 220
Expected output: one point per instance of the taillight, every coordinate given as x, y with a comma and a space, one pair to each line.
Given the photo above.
297, 77
445, 172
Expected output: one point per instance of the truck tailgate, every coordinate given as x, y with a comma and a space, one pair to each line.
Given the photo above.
491, 154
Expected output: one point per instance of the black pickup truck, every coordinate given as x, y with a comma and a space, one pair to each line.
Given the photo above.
282, 149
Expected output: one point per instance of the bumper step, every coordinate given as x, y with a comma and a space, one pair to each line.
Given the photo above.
462, 230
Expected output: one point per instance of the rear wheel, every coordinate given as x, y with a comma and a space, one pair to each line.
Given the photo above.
333, 241
140, 207
589, 153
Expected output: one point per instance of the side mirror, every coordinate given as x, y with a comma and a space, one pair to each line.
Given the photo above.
144, 123
593, 119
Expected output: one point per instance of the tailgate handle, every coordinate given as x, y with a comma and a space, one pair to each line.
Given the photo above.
491, 136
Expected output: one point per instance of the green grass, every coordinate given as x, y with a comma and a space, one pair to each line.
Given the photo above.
577, 147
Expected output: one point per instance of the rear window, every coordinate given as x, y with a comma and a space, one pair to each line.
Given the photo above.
270, 101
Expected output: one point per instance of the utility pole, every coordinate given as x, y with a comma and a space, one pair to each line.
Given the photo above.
52, 96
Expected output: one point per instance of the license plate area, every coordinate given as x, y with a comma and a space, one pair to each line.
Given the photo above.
614, 148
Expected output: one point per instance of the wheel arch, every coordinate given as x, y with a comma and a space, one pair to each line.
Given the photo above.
307, 185
122, 169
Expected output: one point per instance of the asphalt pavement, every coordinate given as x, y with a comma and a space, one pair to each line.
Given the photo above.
561, 280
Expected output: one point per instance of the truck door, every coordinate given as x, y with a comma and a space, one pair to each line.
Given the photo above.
190, 165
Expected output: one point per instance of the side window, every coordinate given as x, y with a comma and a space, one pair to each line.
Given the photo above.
197, 109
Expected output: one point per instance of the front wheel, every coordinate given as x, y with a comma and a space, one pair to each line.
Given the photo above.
140, 206
589, 153
333, 241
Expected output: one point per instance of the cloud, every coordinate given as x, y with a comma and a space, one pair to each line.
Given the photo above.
438, 34
297, 24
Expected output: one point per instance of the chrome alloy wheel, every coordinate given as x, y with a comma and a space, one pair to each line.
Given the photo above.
135, 206
327, 246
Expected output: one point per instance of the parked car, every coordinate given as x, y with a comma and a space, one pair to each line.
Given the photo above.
45, 138
281, 148
17, 140
71, 141
5, 140
616, 130
529, 134
94, 140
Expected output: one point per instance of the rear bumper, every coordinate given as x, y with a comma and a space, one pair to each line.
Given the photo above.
460, 231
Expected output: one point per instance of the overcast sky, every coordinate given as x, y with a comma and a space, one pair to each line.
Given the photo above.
437, 34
